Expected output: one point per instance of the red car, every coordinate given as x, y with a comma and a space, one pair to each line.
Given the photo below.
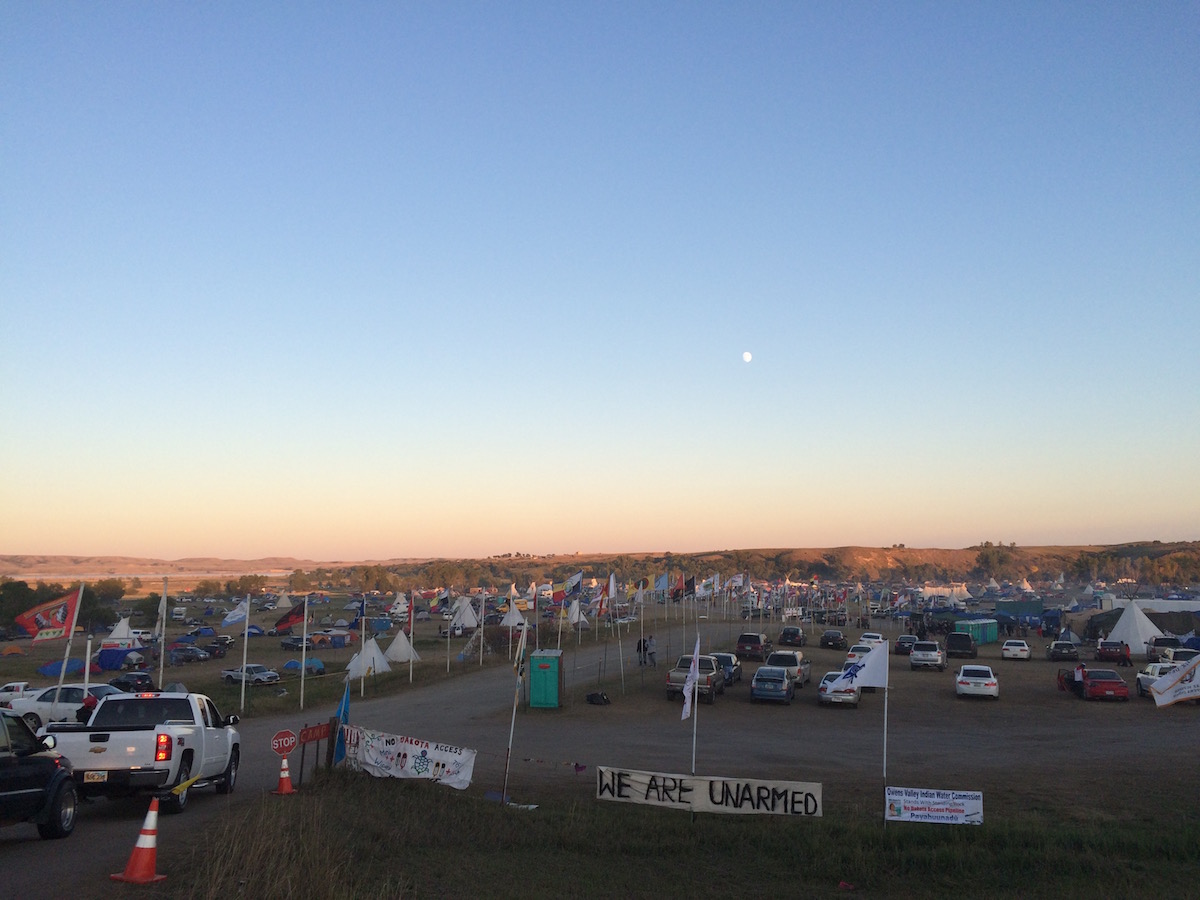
1110, 651
1096, 684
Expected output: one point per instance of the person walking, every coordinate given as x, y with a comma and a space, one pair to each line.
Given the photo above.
641, 651
652, 652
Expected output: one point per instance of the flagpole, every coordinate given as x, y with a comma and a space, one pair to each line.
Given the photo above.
245, 649
62, 670
162, 636
412, 618
519, 665
362, 643
303, 648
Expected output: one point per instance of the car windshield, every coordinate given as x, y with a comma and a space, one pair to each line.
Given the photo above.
1103, 675
977, 672
765, 674
924, 647
833, 634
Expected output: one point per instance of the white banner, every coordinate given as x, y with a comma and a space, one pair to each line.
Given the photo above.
392, 756
716, 795
927, 805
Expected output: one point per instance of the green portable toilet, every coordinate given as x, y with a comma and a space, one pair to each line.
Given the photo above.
545, 679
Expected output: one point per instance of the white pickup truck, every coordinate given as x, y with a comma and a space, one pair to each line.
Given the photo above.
152, 742
251, 673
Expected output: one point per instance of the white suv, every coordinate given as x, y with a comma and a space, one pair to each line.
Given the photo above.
927, 655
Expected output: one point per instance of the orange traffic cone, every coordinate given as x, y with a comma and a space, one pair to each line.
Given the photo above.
143, 860
285, 780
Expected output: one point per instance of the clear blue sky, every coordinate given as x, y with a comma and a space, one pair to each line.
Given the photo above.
459, 279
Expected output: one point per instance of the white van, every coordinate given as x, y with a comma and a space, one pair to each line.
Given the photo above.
178, 614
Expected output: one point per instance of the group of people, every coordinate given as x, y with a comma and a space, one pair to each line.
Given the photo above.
647, 651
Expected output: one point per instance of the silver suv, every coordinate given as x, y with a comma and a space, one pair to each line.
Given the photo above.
927, 655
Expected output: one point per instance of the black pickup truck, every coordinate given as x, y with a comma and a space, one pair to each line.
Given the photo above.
36, 783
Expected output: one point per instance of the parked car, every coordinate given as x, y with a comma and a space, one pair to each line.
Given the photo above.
1156, 645
1179, 655
826, 695
296, 643
731, 666
1060, 650
960, 643
927, 655
904, 644
977, 681
13, 690
37, 783
799, 668
1015, 650
252, 673
225, 639
192, 653
858, 651
753, 645
1109, 651
36, 708
792, 636
834, 639
874, 638
1093, 684
772, 683
133, 681
1150, 674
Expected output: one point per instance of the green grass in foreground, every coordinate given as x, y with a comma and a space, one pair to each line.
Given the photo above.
348, 835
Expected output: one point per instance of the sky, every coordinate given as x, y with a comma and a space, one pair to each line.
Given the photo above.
379, 280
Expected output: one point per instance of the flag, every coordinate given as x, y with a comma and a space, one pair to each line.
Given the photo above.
51, 621
294, 616
237, 614
693, 676
569, 588
677, 591
870, 671
1177, 685
689, 587
343, 716
660, 582
737, 581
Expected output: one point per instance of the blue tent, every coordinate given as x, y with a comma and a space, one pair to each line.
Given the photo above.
292, 665
255, 631
185, 639
51, 669
113, 659
206, 631
315, 667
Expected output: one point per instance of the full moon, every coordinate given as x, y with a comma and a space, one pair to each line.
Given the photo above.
746, 357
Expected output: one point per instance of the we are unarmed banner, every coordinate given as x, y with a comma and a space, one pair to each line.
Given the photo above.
695, 793
394, 756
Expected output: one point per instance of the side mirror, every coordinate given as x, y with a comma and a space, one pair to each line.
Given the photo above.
50, 741
232, 720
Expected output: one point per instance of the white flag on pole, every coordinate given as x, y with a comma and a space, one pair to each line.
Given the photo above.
237, 614
693, 676
1177, 685
870, 671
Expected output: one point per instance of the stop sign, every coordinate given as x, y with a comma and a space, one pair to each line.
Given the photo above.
284, 742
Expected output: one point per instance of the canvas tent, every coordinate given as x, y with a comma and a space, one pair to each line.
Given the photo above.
464, 615
1134, 629
401, 651
369, 661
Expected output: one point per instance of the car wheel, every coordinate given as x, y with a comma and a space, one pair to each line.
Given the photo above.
229, 679
177, 802
229, 779
61, 815
33, 720
670, 696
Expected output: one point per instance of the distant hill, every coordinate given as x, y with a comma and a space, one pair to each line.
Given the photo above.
1148, 562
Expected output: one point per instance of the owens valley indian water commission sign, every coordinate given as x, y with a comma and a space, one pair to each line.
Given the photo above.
715, 795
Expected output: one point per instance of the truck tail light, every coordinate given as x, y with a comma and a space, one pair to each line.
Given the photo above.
162, 748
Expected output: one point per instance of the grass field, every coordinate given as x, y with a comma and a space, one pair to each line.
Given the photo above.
348, 835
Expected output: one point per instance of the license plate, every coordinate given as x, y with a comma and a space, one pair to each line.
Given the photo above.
95, 777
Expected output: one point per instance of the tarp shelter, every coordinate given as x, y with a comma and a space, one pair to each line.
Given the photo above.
400, 650
185, 639
12, 650
112, 659
1134, 629
1025, 609
369, 661
51, 669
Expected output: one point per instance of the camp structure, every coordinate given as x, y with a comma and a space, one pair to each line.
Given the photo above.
400, 650
1134, 629
368, 661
